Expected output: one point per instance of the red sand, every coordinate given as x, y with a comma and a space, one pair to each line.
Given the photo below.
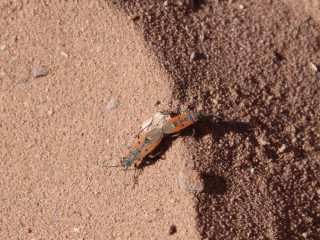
254, 174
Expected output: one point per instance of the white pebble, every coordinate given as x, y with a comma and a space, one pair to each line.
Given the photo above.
113, 104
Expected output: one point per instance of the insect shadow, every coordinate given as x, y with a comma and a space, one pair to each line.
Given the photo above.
207, 125
218, 128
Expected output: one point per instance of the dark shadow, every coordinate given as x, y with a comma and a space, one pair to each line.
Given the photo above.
213, 184
198, 4
218, 128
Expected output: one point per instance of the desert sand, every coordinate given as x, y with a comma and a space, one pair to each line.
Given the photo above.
79, 79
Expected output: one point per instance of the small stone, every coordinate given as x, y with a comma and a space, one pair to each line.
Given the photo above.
38, 72
313, 67
24, 80
252, 170
241, 6
190, 180
237, 165
134, 17
305, 234
172, 229
214, 101
263, 141
50, 112
2, 47
201, 37
165, 3
193, 55
113, 104
282, 148
155, 103
64, 54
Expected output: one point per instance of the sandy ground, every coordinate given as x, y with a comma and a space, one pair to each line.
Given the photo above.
110, 66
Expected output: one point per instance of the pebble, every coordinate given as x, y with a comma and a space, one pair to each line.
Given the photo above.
190, 180
313, 67
24, 80
241, 6
214, 101
263, 141
50, 112
193, 55
64, 54
134, 17
2, 47
155, 103
165, 3
38, 72
112, 104
172, 229
282, 148
180, 3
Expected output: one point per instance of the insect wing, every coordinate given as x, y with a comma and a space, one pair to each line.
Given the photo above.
178, 118
153, 139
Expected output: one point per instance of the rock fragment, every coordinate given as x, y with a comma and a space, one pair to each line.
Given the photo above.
313, 67
112, 104
282, 148
193, 56
50, 112
190, 180
38, 72
155, 103
64, 54
172, 229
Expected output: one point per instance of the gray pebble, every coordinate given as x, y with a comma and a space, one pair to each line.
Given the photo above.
190, 180
38, 72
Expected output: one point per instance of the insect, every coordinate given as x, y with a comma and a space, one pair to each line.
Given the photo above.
180, 122
145, 144
152, 140
176, 124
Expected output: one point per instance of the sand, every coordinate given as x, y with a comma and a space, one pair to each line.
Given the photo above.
78, 80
